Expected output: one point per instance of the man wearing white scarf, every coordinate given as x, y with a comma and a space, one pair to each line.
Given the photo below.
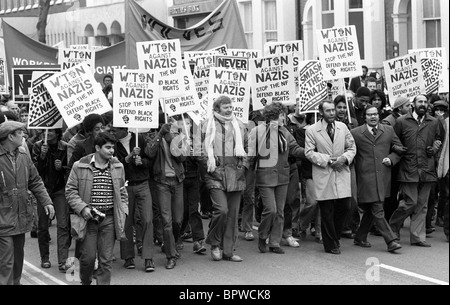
223, 153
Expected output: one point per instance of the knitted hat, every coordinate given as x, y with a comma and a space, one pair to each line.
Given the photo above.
400, 101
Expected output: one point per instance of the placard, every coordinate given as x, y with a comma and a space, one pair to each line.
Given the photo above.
77, 94
339, 52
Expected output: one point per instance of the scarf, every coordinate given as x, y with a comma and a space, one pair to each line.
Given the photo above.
282, 142
211, 138
443, 165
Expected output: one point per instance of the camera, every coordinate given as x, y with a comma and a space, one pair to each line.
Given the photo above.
97, 216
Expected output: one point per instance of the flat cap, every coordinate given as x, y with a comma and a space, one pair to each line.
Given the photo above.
400, 101
440, 104
9, 127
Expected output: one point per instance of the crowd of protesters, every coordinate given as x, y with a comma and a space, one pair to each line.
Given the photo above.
337, 176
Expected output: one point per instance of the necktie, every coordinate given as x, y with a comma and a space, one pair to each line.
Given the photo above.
330, 131
374, 132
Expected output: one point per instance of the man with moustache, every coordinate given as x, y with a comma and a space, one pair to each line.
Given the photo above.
378, 149
421, 134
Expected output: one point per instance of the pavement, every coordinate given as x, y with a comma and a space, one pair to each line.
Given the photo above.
306, 265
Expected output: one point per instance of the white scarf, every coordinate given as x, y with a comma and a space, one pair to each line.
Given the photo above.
210, 139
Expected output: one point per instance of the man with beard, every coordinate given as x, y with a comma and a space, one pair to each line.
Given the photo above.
421, 134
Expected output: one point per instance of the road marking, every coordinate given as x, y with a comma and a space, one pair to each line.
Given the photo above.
52, 278
412, 274
32, 278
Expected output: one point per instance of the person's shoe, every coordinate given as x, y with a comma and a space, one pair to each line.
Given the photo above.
129, 263
178, 255
292, 242
216, 254
302, 235
277, 250
430, 230
348, 235
33, 234
63, 268
295, 233
199, 248
149, 265
163, 249
171, 263
439, 222
394, 246
262, 246
157, 242
186, 236
45, 263
249, 236
362, 244
179, 246
318, 240
421, 244
234, 259
334, 252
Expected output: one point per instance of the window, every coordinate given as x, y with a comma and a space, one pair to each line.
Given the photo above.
432, 22
247, 21
356, 18
327, 14
270, 21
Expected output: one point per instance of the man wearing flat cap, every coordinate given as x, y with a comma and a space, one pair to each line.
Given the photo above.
402, 106
17, 175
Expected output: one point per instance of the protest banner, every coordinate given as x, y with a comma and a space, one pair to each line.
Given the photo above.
77, 94
69, 58
188, 102
232, 62
86, 47
286, 47
22, 81
404, 76
250, 54
234, 84
439, 54
43, 113
203, 64
189, 58
3, 77
339, 52
272, 81
164, 58
3, 70
222, 27
432, 71
135, 99
336, 87
21, 50
223, 49
289, 47
313, 88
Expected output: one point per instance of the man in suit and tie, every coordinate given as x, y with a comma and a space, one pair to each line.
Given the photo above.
378, 149
330, 148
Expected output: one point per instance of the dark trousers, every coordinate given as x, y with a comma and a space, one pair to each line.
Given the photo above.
432, 202
43, 233
414, 204
99, 242
205, 198
333, 214
272, 221
446, 216
170, 197
292, 205
374, 213
157, 221
191, 217
64, 238
140, 200
391, 203
223, 228
248, 209
353, 219
11, 259
443, 196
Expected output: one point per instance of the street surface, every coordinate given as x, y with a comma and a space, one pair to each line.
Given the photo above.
307, 265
